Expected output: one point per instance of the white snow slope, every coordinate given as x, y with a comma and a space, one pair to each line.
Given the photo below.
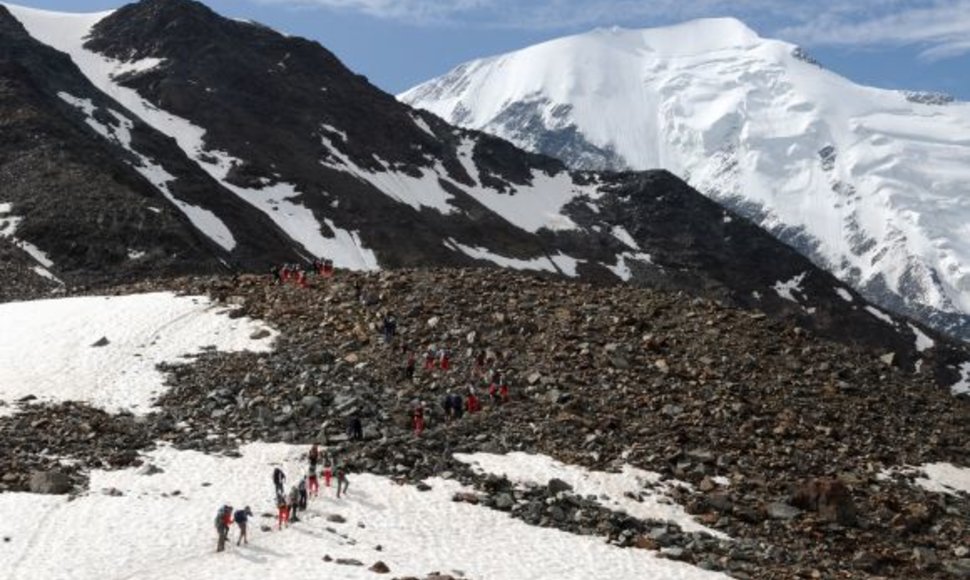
873, 186
46, 346
150, 533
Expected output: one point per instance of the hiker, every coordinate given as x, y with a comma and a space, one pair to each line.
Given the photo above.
342, 483
293, 502
275, 271
457, 408
409, 367
303, 494
444, 359
283, 511
223, 521
355, 429
480, 364
313, 483
317, 266
300, 279
503, 392
429, 359
358, 291
328, 269
390, 328
279, 479
447, 408
242, 518
418, 420
314, 456
472, 404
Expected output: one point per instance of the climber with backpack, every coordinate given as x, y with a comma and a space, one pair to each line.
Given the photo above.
242, 519
279, 479
223, 521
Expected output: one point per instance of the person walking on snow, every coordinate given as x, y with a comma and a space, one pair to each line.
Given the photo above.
342, 483
279, 480
283, 511
223, 521
313, 456
327, 470
303, 494
294, 503
313, 483
242, 518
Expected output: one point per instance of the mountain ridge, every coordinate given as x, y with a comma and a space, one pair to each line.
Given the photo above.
350, 174
864, 181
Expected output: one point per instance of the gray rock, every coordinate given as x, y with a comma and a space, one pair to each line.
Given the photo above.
958, 568
52, 482
782, 511
103, 341
348, 562
504, 501
556, 486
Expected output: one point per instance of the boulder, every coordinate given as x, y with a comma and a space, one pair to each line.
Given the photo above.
52, 482
828, 497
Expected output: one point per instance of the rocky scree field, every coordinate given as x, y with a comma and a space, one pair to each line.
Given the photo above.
804, 454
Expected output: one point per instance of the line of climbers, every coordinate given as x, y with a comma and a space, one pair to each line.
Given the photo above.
288, 504
299, 275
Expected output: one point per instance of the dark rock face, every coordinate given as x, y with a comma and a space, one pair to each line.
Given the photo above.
79, 196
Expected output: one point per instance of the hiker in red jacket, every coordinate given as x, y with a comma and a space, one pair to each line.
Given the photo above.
223, 522
429, 360
472, 405
503, 392
418, 420
283, 511
444, 359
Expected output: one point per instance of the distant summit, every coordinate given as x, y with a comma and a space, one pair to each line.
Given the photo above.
870, 184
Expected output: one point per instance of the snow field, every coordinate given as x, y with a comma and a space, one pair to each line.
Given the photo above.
937, 477
149, 533
46, 346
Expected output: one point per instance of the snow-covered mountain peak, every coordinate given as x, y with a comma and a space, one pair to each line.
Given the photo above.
870, 183
691, 37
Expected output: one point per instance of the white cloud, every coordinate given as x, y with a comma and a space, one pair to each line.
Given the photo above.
943, 28
940, 27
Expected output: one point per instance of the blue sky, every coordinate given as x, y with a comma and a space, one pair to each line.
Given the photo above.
911, 44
